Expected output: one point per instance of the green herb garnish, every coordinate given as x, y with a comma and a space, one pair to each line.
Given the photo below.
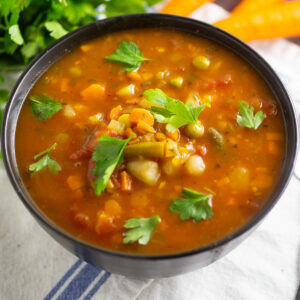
45, 162
129, 55
108, 154
194, 205
247, 118
171, 111
44, 106
141, 231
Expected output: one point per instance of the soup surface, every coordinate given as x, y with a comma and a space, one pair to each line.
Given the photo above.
133, 167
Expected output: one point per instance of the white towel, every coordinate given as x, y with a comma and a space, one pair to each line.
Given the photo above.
265, 266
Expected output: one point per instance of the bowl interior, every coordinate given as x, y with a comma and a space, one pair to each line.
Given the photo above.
93, 30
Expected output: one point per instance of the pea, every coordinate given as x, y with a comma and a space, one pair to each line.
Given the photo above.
201, 62
177, 81
194, 130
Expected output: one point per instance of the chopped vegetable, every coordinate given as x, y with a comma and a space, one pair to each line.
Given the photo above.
217, 138
173, 112
126, 182
177, 81
108, 154
280, 20
129, 55
182, 7
141, 114
126, 91
117, 127
145, 170
201, 62
115, 112
44, 106
45, 162
194, 205
146, 149
125, 119
246, 117
194, 130
142, 229
93, 92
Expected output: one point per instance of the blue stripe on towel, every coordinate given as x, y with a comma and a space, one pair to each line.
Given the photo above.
80, 283
63, 280
96, 287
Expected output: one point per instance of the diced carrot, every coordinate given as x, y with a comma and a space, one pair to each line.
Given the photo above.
182, 7
126, 182
143, 128
274, 136
159, 136
173, 135
129, 132
223, 181
64, 86
141, 114
273, 148
93, 92
134, 76
281, 20
115, 112
112, 208
246, 6
75, 182
104, 224
85, 47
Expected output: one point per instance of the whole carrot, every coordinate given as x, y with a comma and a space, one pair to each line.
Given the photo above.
182, 7
247, 6
282, 20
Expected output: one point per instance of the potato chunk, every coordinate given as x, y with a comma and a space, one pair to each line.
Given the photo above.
145, 170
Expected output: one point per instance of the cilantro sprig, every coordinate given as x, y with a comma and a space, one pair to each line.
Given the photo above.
44, 106
107, 155
129, 55
171, 111
247, 118
45, 162
194, 205
141, 230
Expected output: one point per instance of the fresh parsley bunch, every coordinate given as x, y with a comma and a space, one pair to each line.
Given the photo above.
29, 26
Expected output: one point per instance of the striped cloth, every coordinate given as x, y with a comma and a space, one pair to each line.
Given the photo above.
33, 266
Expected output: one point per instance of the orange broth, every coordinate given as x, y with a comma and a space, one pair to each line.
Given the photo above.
240, 177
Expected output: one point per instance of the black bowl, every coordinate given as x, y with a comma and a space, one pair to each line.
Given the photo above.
133, 264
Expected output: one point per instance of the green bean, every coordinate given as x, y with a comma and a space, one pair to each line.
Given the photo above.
146, 149
217, 138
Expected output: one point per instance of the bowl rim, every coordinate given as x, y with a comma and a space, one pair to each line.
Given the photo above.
47, 222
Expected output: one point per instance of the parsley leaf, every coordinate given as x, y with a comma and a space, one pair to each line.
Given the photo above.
247, 118
142, 229
108, 154
44, 106
56, 29
194, 205
15, 34
129, 54
172, 111
45, 162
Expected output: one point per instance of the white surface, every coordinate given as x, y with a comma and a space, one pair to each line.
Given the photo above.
265, 266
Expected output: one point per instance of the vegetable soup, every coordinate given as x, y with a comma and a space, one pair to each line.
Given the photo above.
150, 141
